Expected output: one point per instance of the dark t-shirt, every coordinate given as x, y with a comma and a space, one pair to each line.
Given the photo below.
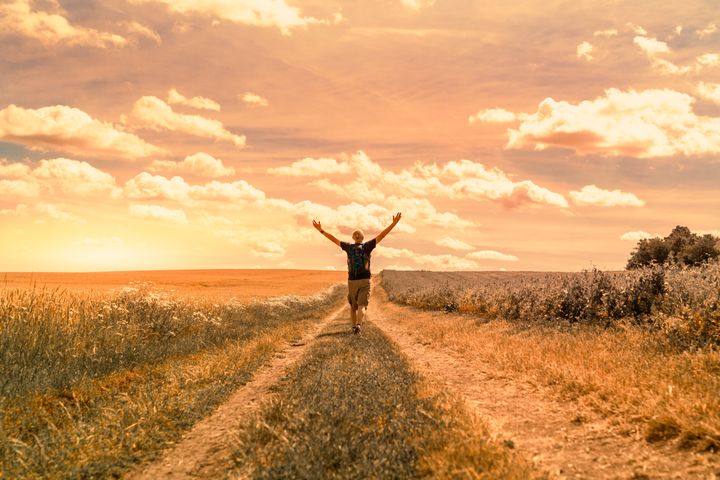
367, 249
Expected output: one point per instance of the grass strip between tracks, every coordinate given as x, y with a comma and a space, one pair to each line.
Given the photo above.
353, 408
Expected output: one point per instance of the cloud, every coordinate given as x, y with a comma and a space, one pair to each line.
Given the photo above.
449, 242
708, 60
493, 115
200, 164
312, 167
709, 91
492, 255
652, 48
592, 195
151, 112
268, 250
584, 50
710, 29
253, 99
175, 97
261, 13
147, 186
18, 188
73, 176
636, 29
637, 235
462, 179
42, 212
649, 123
51, 28
139, 30
426, 261
157, 212
58, 175
610, 32
69, 129
417, 4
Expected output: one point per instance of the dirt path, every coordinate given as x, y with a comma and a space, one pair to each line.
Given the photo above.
525, 414
204, 451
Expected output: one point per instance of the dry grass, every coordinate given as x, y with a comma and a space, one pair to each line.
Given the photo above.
352, 408
645, 373
92, 385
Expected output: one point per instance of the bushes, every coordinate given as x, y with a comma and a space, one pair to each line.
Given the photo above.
682, 302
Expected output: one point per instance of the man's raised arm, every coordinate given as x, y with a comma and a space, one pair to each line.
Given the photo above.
382, 234
319, 228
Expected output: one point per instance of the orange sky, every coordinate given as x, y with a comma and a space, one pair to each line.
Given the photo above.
530, 135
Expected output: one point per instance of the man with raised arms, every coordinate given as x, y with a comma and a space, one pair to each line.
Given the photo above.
358, 261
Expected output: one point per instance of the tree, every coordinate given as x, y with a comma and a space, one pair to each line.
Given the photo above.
681, 246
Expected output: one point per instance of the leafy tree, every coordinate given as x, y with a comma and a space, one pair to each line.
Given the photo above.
681, 246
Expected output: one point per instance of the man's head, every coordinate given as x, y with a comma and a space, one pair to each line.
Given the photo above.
358, 236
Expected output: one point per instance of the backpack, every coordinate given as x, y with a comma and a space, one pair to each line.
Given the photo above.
357, 260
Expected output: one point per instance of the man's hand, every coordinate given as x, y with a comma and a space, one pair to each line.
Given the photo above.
317, 225
396, 218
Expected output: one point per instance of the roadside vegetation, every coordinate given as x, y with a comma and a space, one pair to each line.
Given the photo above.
92, 384
641, 347
352, 408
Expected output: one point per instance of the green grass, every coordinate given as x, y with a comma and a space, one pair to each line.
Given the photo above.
97, 419
352, 408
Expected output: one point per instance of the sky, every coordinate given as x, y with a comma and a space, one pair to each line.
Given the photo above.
527, 135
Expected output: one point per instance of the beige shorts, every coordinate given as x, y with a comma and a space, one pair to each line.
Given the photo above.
358, 292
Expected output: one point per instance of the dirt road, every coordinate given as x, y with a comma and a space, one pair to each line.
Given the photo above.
526, 416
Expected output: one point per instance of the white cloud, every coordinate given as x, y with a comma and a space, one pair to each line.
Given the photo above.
610, 32
584, 50
649, 123
709, 91
175, 97
493, 115
200, 164
151, 112
253, 99
69, 129
73, 176
139, 30
157, 212
708, 60
492, 255
417, 4
426, 261
262, 13
147, 186
636, 29
238, 191
592, 195
18, 188
651, 46
43, 212
51, 28
454, 244
637, 235
456, 179
312, 167
707, 31
13, 169
268, 250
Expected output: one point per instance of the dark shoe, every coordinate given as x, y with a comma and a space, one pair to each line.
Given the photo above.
356, 329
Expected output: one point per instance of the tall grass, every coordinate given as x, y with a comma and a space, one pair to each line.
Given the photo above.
684, 303
93, 384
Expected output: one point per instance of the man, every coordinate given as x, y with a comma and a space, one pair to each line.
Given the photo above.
358, 261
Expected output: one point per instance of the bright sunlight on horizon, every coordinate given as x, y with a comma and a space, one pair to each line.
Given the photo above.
205, 134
